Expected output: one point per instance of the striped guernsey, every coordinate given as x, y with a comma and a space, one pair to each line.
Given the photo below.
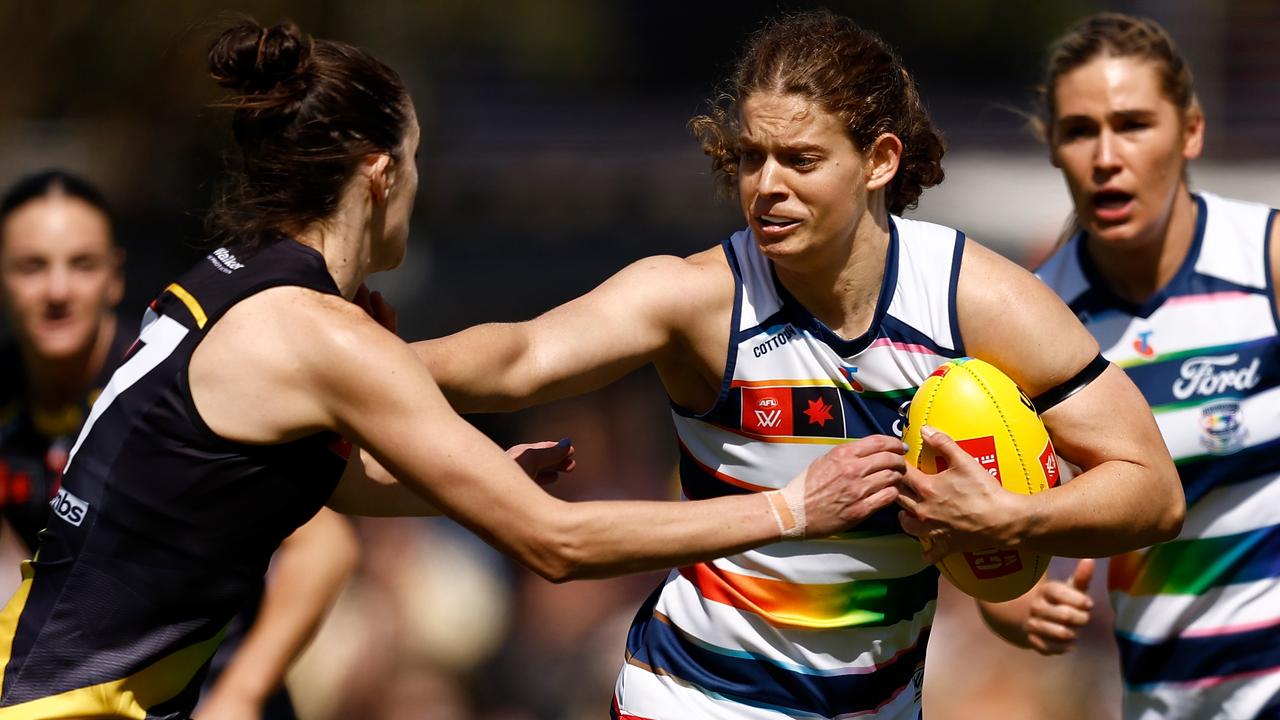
830, 627
1198, 618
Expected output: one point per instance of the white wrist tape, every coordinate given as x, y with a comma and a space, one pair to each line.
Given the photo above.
788, 509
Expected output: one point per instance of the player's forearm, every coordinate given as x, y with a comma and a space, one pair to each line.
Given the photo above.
604, 538
1112, 508
480, 369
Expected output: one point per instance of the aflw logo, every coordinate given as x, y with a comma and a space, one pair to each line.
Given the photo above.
69, 507
768, 418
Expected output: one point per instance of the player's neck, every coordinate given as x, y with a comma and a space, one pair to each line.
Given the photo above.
842, 286
1137, 271
345, 243
55, 384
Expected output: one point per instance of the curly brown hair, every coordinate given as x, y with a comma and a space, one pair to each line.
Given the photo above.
847, 71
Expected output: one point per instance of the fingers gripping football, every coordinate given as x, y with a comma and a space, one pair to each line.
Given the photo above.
957, 509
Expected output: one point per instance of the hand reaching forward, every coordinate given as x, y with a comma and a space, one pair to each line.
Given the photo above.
961, 508
844, 487
1058, 609
544, 461
377, 306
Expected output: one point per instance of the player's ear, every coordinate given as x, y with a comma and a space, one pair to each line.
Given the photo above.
379, 171
1193, 131
882, 161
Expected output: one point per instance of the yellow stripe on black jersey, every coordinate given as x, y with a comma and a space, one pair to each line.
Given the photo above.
162, 530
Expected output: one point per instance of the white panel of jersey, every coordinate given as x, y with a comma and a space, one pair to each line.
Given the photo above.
821, 628
1198, 618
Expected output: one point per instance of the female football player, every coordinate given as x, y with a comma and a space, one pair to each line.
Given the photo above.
813, 326
222, 430
1178, 287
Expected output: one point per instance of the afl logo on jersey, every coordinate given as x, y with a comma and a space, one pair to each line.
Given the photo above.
224, 261
1222, 427
69, 507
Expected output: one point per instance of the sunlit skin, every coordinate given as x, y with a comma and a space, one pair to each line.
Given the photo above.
1123, 146
816, 204
375, 212
60, 276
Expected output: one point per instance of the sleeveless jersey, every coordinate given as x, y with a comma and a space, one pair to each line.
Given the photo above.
162, 530
1198, 618
830, 627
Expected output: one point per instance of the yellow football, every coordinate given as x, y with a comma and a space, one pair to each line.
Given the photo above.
989, 417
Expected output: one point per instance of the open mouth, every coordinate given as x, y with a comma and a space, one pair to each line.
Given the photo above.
1112, 206
1111, 199
776, 222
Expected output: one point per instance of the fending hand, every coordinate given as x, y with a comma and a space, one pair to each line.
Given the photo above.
544, 461
375, 303
848, 484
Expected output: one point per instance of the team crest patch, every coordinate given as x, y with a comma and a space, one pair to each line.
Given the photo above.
1222, 427
792, 411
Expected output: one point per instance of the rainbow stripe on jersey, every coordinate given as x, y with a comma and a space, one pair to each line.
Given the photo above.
1198, 618
822, 628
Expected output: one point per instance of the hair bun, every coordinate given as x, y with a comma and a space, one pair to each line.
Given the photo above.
254, 59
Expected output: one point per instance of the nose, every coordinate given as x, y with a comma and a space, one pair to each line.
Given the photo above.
772, 179
1106, 159
58, 284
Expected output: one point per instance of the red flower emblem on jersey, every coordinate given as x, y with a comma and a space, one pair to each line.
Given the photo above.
819, 412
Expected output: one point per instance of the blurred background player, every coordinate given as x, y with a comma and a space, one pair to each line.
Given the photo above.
222, 430
61, 279
807, 329
1178, 288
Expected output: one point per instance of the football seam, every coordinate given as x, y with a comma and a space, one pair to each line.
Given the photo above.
1022, 465
1008, 431
928, 408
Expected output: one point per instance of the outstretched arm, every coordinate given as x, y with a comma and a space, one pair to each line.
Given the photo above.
366, 488
326, 365
1128, 495
401, 417
307, 573
652, 311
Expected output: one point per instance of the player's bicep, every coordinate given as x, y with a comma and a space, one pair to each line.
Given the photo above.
1106, 419
621, 325
393, 410
1011, 319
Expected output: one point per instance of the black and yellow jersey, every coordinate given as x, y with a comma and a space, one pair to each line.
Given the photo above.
34, 446
162, 530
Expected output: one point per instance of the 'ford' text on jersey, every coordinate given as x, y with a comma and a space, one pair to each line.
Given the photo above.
1198, 618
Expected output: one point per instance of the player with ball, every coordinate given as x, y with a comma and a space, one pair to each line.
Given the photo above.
813, 326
